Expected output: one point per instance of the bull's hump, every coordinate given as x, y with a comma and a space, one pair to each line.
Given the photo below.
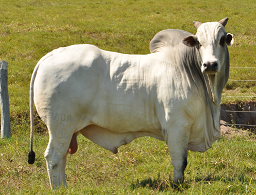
167, 38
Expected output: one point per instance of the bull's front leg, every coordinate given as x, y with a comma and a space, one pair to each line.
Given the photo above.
179, 162
178, 148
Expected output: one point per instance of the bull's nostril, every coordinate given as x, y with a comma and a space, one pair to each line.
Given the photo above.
215, 65
204, 64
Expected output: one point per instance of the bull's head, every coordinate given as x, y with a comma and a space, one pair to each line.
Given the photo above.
211, 40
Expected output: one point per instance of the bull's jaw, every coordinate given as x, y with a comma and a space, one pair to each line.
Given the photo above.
213, 83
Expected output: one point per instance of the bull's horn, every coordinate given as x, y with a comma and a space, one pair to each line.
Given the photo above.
224, 21
197, 24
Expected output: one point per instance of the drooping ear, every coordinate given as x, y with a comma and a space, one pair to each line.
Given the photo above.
223, 21
230, 39
190, 41
197, 24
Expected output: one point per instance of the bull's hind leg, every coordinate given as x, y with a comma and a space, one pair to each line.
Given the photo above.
56, 157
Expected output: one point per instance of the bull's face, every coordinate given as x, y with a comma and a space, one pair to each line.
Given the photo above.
211, 40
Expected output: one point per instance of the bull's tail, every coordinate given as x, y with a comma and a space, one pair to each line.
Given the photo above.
31, 155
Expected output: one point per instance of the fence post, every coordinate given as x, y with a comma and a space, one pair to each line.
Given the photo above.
4, 98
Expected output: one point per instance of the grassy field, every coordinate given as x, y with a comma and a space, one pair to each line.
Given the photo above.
142, 167
29, 29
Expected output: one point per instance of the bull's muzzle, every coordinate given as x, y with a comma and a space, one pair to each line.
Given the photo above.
210, 67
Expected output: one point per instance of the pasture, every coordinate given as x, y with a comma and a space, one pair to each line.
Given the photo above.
29, 29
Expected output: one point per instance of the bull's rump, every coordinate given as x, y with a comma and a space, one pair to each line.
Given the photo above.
89, 86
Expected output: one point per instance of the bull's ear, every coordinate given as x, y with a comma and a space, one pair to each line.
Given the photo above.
190, 41
230, 39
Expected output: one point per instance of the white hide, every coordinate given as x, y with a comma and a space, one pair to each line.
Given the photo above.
126, 95
113, 98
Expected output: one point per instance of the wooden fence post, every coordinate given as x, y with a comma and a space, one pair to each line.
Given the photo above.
4, 98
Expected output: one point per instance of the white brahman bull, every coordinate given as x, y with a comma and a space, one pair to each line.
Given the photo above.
172, 94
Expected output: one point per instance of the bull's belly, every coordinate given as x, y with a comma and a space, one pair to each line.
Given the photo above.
114, 124
112, 140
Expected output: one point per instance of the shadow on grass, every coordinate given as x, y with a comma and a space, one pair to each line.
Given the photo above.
208, 178
162, 185
159, 184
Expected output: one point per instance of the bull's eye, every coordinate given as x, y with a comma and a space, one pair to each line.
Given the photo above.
199, 45
222, 41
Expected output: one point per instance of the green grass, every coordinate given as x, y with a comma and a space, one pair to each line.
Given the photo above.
29, 29
142, 167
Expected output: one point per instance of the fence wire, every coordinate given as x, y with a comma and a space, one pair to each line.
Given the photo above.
239, 111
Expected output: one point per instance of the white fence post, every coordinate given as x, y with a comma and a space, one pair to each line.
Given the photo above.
4, 99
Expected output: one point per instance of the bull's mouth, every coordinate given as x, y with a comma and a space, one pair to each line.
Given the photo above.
210, 72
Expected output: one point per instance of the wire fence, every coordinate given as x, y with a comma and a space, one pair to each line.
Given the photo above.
246, 124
